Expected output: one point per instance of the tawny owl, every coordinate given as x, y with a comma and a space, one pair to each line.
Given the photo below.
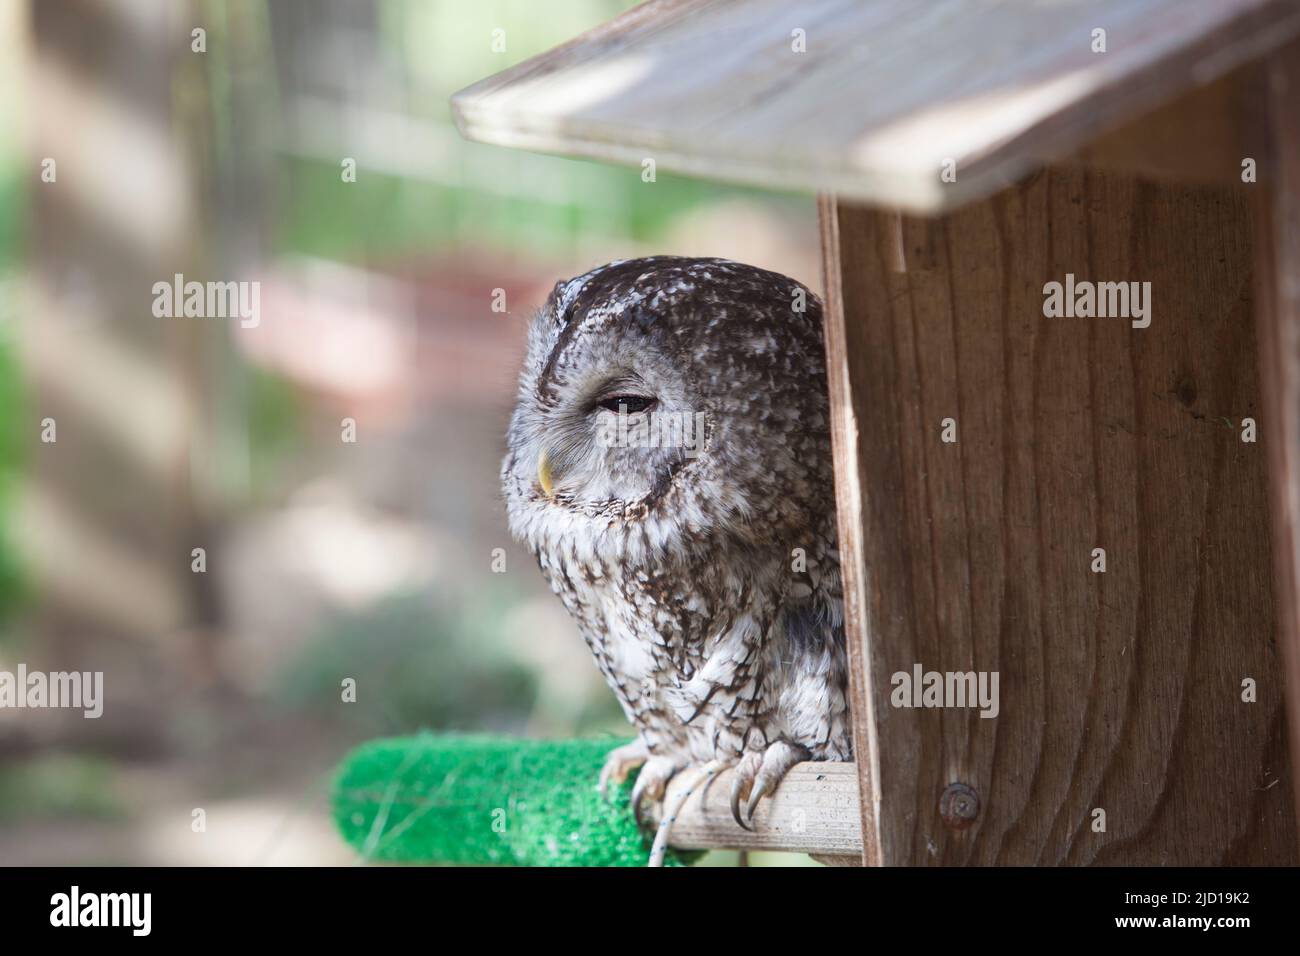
669, 465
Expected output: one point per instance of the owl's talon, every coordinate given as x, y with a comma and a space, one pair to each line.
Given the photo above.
758, 776
652, 782
619, 762
737, 788
742, 785
638, 795
639, 814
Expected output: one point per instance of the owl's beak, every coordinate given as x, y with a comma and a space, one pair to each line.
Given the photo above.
544, 476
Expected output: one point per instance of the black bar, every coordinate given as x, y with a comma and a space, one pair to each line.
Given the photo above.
437, 906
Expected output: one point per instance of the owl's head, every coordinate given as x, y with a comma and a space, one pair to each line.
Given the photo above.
687, 396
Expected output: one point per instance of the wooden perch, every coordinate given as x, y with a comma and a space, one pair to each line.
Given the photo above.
815, 810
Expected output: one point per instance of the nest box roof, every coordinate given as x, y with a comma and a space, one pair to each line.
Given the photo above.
870, 99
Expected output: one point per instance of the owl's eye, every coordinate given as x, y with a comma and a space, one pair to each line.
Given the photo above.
630, 404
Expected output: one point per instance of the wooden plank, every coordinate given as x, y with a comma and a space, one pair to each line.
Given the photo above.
1277, 286
885, 92
814, 810
850, 480
1201, 136
1119, 691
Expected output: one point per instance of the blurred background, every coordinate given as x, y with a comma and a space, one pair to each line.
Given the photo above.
325, 559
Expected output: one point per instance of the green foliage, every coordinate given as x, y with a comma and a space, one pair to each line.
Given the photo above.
58, 787
481, 800
12, 210
463, 33
382, 216
10, 457
416, 664
11, 403
275, 419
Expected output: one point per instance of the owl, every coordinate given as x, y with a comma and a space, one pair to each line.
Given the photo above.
669, 465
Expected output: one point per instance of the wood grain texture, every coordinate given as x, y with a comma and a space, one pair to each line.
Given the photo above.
1118, 690
1200, 136
850, 480
1277, 284
814, 810
885, 92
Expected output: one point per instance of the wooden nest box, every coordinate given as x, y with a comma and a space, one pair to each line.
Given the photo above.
1061, 244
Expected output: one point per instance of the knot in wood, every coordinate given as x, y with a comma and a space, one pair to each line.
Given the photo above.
959, 805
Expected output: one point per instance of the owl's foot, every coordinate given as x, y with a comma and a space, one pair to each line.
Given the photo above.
621, 761
652, 783
759, 773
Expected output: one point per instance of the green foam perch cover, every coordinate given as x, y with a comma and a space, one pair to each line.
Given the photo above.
481, 800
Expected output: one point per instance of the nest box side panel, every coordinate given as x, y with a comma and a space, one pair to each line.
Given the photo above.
1074, 504
1277, 284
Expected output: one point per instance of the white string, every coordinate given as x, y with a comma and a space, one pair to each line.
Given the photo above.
674, 806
